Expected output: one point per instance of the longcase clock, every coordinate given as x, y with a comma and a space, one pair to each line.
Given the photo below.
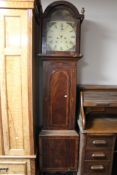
58, 140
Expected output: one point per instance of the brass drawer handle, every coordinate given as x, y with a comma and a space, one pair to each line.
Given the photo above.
4, 170
99, 142
97, 167
98, 155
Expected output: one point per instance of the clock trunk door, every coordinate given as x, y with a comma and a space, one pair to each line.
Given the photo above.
59, 95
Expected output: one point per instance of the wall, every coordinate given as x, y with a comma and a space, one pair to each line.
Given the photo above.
99, 41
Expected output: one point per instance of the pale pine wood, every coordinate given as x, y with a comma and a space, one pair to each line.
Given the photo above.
1, 143
30, 81
17, 166
16, 106
23, 4
14, 81
20, 157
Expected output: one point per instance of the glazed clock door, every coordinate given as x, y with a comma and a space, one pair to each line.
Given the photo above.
59, 95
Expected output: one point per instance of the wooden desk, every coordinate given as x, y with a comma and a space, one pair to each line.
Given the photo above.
98, 129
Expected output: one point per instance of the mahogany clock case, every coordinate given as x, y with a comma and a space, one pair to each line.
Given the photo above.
58, 139
59, 70
58, 151
59, 94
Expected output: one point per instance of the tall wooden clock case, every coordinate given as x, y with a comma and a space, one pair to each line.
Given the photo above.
58, 140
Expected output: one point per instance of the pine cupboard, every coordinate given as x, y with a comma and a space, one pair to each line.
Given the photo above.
17, 154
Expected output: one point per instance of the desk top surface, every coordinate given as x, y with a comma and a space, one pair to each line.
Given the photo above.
103, 124
99, 87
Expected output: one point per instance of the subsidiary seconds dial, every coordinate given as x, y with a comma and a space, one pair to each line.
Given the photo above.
61, 36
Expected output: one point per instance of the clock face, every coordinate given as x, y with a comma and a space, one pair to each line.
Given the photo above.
61, 36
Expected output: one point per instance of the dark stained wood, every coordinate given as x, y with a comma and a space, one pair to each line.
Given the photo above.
99, 95
36, 72
98, 154
81, 153
98, 130
59, 80
100, 141
64, 5
93, 157
58, 141
76, 17
98, 99
58, 151
101, 123
97, 168
98, 87
54, 56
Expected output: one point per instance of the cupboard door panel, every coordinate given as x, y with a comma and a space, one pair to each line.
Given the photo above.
59, 95
14, 81
14, 102
1, 143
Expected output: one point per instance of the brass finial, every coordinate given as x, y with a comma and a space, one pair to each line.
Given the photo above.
83, 11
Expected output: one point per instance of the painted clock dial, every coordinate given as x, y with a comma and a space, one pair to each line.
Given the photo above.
61, 36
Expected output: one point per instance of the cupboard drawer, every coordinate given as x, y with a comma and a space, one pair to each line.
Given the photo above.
17, 166
98, 155
94, 141
97, 168
13, 168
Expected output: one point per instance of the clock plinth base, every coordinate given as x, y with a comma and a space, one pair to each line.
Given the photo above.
59, 173
58, 151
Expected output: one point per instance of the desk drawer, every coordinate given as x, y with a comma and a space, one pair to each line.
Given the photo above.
97, 168
98, 155
99, 142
